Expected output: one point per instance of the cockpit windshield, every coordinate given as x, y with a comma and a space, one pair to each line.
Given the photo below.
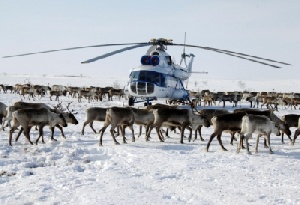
148, 76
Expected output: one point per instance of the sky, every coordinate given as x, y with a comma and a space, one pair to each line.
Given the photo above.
269, 29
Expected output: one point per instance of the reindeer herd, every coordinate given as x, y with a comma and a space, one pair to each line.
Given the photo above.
241, 122
270, 100
33, 92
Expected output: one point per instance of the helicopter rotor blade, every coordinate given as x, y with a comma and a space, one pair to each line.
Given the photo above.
249, 59
74, 48
161, 42
115, 52
266, 59
235, 54
200, 72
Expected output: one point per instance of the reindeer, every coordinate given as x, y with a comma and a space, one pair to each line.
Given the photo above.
209, 114
292, 121
26, 90
67, 114
118, 116
94, 114
72, 90
21, 105
297, 132
183, 118
114, 91
57, 94
5, 88
89, 94
260, 125
231, 97
3, 113
283, 126
27, 118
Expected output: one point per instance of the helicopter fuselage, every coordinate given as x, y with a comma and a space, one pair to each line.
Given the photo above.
158, 77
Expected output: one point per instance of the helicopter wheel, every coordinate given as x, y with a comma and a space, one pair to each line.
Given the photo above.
147, 104
131, 101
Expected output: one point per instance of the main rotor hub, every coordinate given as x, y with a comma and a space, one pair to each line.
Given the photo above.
161, 43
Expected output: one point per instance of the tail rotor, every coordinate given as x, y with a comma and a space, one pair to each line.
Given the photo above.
184, 55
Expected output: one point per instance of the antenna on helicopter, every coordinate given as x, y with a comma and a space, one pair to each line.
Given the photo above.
184, 55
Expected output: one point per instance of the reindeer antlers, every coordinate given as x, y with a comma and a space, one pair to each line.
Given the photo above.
69, 106
60, 108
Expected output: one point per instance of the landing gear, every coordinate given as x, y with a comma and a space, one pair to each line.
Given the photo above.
131, 101
147, 103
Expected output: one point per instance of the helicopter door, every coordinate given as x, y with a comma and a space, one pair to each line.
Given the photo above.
170, 84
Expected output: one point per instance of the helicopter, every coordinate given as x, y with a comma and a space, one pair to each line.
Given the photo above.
158, 76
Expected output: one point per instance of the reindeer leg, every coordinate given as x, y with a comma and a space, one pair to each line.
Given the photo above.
140, 131
247, 143
61, 130
167, 133
239, 145
52, 134
101, 135
199, 130
92, 127
123, 133
282, 140
41, 134
190, 135
265, 141
242, 141
256, 144
195, 135
181, 135
84, 124
297, 132
268, 143
112, 134
11, 131
27, 134
132, 131
148, 132
220, 142
118, 130
210, 140
147, 127
232, 137
161, 134
19, 133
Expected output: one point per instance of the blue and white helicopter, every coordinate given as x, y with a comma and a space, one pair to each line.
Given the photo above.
158, 76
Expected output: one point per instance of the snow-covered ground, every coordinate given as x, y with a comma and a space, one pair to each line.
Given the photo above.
77, 171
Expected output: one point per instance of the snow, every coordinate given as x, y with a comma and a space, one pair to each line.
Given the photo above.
76, 170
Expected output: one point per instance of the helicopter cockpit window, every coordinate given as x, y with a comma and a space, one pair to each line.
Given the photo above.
142, 75
168, 59
151, 77
162, 80
134, 76
148, 76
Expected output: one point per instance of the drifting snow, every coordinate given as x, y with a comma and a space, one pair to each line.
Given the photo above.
77, 171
